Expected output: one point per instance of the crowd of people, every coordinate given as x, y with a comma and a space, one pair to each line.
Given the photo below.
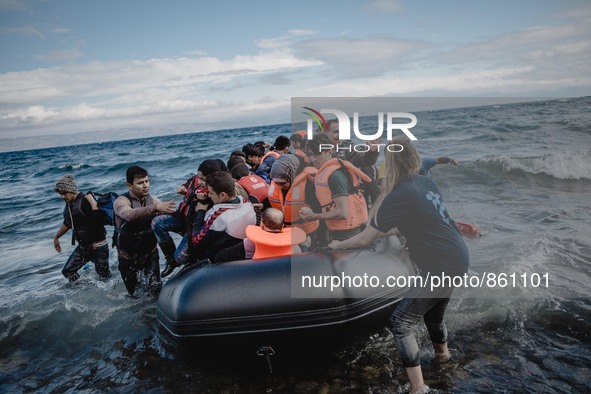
268, 201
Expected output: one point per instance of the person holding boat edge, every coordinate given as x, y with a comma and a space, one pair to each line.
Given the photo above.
412, 204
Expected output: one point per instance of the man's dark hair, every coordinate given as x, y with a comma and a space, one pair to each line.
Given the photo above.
233, 161
330, 122
237, 153
260, 144
221, 181
135, 172
298, 138
239, 171
313, 146
252, 150
282, 142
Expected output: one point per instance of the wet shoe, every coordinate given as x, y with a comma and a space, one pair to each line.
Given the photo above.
170, 266
168, 248
73, 278
152, 285
194, 265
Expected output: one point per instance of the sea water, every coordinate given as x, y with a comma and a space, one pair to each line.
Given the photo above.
524, 178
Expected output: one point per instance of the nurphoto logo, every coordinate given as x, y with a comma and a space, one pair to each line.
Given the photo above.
344, 129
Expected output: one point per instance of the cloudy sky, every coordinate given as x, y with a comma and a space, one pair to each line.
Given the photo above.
69, 66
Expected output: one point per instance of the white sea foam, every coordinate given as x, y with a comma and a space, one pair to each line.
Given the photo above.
72, 166
561, 165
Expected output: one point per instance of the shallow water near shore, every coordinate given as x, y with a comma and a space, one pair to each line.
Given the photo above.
524, 179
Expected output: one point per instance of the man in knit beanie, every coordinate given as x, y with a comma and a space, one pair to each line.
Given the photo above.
83, 217
66, 184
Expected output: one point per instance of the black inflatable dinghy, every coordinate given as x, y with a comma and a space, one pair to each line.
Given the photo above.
309, 294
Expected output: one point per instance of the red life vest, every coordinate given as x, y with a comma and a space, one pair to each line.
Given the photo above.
190, 195
357, 214
255, 186
295, 200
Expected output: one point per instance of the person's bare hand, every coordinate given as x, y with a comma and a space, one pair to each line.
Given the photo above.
166, 207
182, 190
56, 245
306, 214
90, 198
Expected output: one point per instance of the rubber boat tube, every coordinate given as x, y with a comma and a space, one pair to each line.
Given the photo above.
243, 298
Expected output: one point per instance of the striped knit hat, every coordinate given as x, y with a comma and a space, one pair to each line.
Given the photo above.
66, 184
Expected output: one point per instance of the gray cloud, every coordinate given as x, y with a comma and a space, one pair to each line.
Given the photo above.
548, 58
28, 30
356, 58
385, 6
278, 78
59, 30
558, 51
157, 90
63, 55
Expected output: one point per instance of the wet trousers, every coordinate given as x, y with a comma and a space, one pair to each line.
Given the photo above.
163, 224
83, 254
414, 309
182, 255
134, 268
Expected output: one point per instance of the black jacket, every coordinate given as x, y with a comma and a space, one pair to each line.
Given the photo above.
85, 223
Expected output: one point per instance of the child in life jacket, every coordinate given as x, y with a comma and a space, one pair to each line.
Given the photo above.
193, 191
271, 238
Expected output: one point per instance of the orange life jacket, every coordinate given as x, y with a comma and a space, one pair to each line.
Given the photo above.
300, 153
357, 214
294, 200
270, 153
467, 228
255, 186
274, 244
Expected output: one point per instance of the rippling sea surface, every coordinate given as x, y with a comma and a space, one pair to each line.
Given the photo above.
524, 179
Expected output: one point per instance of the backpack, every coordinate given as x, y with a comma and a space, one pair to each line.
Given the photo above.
105, 204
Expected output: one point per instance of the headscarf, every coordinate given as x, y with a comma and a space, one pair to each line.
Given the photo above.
285, 167
208, 167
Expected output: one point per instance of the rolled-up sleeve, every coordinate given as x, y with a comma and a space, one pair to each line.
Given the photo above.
124, 210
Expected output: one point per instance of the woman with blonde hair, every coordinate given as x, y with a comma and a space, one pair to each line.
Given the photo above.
411, 204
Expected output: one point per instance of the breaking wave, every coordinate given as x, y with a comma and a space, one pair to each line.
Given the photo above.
73, 166
561, 165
